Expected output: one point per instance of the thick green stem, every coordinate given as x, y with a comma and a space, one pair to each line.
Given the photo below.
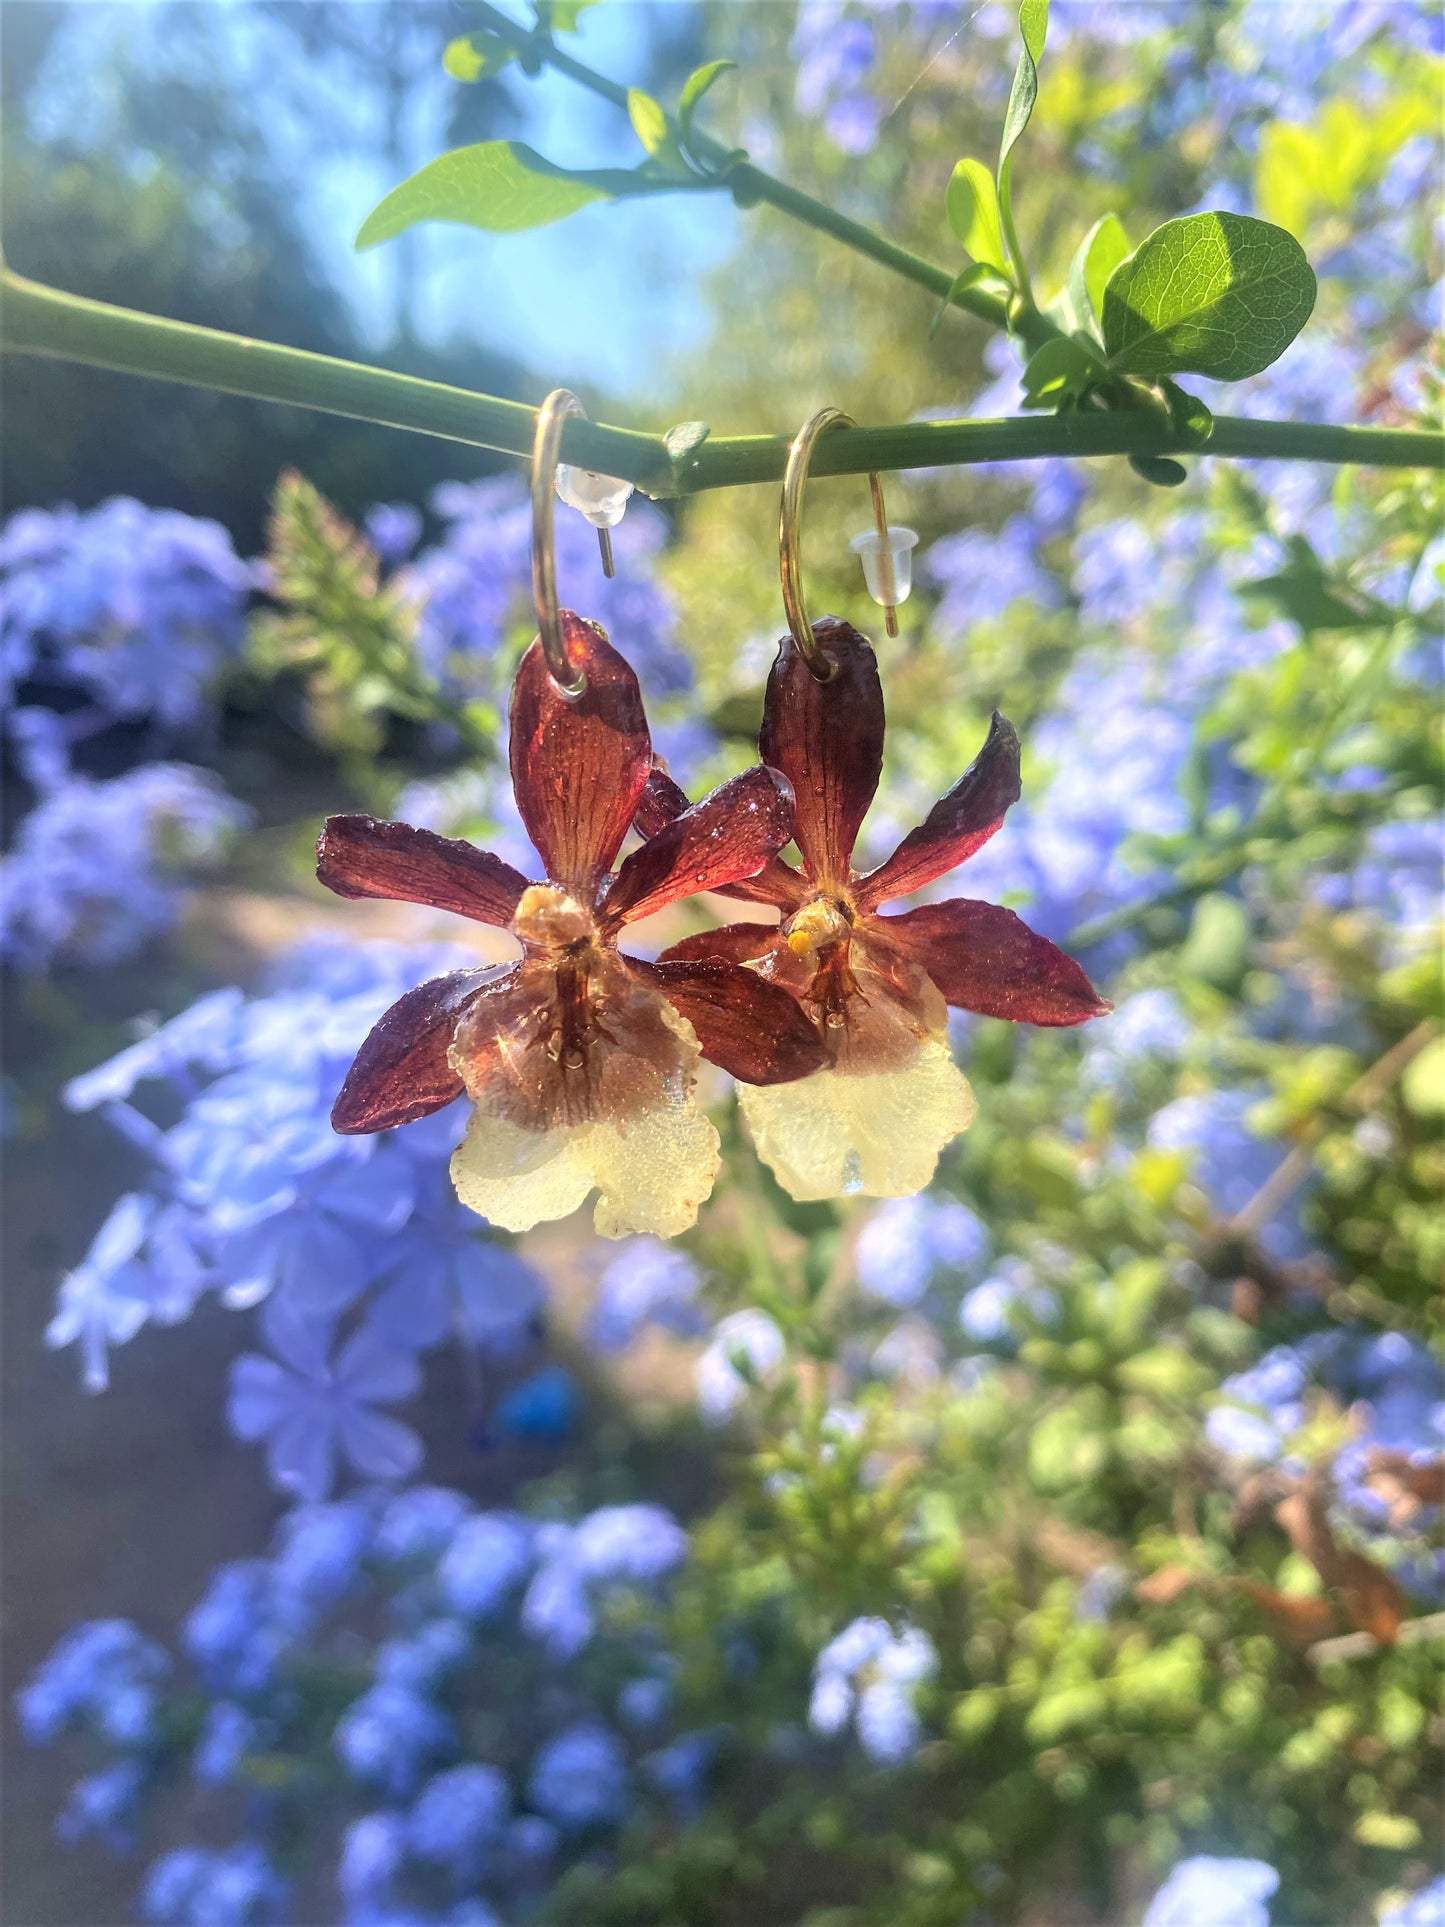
42, 321
750, 185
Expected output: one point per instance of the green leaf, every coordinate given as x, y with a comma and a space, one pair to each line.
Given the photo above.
1059, 372
500, 186
649, 120
1161, 470
1423, 1085
1099, 253
1033, 26
560, 16
476, 56
1212, 294
683, 440
1310, 598
975, 272
971, 204
695, 86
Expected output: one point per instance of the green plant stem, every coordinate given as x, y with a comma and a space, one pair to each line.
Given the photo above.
751, 184
42, 321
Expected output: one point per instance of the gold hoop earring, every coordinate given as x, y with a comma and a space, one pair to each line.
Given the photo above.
546, 448
790, 517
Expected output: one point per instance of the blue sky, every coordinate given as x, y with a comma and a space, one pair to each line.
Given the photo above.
593, 302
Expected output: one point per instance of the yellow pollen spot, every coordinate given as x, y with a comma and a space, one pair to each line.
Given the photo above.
817, 927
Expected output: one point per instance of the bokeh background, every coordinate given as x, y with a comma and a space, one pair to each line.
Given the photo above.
990, 1555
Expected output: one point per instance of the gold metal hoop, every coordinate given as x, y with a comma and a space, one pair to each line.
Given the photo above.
790, 520
546, 449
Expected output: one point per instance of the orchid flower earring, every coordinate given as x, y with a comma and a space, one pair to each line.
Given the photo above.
889, 1097
580, 1062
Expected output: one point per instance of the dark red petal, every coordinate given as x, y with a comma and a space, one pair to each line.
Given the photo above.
827, 739
402, 1071
957, 825
777, 882
661, 801
358, 856
746, 1025
734, 943
984, 958
728, 835
579, 768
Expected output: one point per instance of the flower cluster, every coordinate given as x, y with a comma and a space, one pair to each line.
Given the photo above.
482, 1613
97, 868
136, 609
356, 1249
868, 1677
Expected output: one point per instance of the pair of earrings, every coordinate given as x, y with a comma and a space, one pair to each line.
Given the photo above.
581, 1061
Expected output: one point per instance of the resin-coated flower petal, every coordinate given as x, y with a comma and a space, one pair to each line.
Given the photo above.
403, 1070
652, 1173
728, 835
957, 825
737, 943
878, 1134
827, 739
579, 1085
747, 1026
984, 958
777, 882
578, 768
358, 856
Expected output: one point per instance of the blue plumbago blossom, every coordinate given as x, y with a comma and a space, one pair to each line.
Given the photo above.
579, 1779
836, 53
1425, 1908
103, 1804
989, 1312
745, 1348
255, 1198
474, 588
393, 529
647, 1282
140, 608
636, 1545
388, 1736
1396, 884
544, 1407
458, 1817
102, 1678
868, 1677
96, 868
908, 1242
1150, 1024
981, 575
1227, 1161
1226, 1893
238, 1887
313, 1403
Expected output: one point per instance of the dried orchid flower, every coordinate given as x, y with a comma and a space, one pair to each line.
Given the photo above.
876, 1117
581, 1062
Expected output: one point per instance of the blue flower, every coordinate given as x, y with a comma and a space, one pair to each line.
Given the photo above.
372, 1851
104, 1803
458, 1817
102, 1675
1149, 1024
869, 1676
139, 607
95, 869
102, 1302
908, 1241
1221, 1893
1226, 1160
647, 1282
195, 1887
389, 1734
318, 1558
680, 1771
544, 1407
488, 1556
579, 1779
637, 1542
982, 575
425, 1658
419, 1524
241, 1628
393, 529
1426, 1908
228, 1735
746, 1347
311, 1407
